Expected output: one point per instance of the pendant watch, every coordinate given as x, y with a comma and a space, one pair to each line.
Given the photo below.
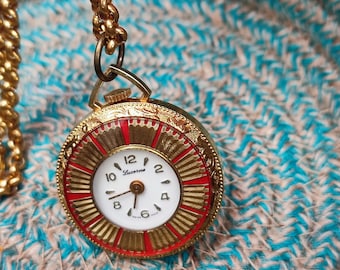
138, 176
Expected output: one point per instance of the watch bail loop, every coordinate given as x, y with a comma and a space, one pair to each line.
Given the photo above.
107, 76
133, 78
115, 70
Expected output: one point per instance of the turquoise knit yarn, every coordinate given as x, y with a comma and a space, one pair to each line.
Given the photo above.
261, 75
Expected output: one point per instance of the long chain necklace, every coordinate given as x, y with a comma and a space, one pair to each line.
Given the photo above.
11, 142
110, 36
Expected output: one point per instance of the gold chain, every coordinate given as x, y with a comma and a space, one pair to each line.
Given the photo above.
105, 27
11, 142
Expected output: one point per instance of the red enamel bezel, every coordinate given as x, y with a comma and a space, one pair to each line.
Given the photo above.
169, 131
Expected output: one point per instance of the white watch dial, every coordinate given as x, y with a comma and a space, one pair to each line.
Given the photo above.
136, 189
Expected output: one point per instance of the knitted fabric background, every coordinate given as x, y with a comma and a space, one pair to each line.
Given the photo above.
261, 75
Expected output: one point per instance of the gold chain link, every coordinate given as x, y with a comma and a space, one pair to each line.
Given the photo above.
11, 142
105, 26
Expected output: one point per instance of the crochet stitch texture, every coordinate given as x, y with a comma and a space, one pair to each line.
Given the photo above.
263, 76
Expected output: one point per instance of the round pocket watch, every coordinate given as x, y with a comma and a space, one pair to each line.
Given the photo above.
138, 176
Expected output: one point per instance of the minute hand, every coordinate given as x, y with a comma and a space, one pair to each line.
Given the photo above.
121, 194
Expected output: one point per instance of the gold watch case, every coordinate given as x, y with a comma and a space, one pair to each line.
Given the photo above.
163, 128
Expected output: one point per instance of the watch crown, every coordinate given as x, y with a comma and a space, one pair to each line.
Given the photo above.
117, 95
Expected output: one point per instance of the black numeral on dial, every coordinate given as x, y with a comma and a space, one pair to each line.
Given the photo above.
130, 159
145, 214
158, 168
110, 177
117, 205
165, 196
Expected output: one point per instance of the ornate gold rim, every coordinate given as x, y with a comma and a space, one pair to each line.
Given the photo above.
163, 112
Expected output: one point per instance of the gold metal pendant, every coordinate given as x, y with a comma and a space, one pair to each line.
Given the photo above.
139, 177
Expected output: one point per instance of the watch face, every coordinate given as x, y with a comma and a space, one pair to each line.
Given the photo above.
136, 188
141, 179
